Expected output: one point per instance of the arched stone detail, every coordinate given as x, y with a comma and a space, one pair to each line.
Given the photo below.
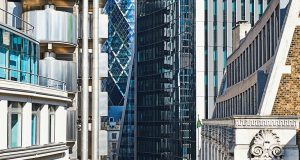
266, 145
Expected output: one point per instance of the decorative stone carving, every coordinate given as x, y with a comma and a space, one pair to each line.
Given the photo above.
266, 146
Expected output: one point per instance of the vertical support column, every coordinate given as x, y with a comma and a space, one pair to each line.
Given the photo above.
85, 84
60, 124
95, 82
3, 123
26, 124
44, 125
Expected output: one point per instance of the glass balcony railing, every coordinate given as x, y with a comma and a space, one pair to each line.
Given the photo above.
15, 22
30, 78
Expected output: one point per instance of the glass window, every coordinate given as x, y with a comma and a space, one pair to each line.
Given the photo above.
3, 62
260, 7
20, 56
15, 125
25, 68
243, 9
14, 65
114, 145
114, 135
52, 123
35, 124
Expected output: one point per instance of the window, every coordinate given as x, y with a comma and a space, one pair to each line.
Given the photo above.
52, 123
114, 145
34, 124
114, 136
3, 62
260, 8
14, 125
252, 12
243, 9
233, 13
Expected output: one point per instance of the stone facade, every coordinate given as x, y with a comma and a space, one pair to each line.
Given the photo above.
250, 138
288, 96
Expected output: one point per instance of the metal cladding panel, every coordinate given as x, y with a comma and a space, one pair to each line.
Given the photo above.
103, 104
71, 125
103, 26
103, 143
53, 26
59, 70
103, 65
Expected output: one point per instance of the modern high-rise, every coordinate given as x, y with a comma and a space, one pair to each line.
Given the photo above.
165, 79
120, 83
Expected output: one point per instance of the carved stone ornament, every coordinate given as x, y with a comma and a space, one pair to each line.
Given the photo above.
266, 146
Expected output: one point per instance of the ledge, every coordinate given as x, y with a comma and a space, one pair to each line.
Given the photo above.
34, 151
270, 122
23, 89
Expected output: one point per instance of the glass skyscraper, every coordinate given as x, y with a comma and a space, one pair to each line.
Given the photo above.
120, 83
165, 80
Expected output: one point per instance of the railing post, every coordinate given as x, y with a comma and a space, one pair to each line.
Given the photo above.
8, 74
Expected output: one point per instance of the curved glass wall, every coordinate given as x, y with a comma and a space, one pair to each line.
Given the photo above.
120, 47
120, 84
18, 58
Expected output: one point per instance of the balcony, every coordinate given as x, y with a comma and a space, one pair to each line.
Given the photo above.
16, 22
30, 78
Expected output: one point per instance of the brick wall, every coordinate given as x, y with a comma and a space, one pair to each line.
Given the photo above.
287, 101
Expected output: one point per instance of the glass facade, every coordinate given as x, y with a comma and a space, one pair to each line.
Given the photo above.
18, 58
120, 83
120, 48
165, 75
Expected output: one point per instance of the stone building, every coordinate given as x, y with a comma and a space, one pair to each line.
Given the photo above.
256, 114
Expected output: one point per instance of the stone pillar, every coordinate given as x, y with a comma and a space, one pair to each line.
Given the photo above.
26, 124
60, 124
44, 125
3, 123
203, 148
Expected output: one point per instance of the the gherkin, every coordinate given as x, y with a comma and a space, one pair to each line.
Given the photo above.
120, 83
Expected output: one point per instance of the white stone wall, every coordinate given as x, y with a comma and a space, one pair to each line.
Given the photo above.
250, 138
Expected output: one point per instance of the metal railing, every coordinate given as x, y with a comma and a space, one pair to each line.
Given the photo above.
30, 78
16, 22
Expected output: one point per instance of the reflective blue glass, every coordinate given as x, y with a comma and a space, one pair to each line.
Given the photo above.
18, 58
120, 49
14, 65
15, 130
33, 129
3, 59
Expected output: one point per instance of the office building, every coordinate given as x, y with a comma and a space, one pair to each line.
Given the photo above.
120, 83
31, 104
215, 20
44, 52
256, 111
165, 80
